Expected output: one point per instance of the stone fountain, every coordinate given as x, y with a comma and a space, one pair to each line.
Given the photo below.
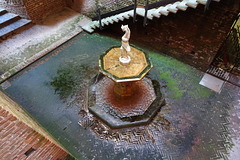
121, 95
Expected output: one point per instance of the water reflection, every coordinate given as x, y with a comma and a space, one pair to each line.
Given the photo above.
71, 82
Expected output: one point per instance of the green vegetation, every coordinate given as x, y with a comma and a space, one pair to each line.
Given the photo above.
180, 78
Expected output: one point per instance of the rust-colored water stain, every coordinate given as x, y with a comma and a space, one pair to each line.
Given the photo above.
138, 102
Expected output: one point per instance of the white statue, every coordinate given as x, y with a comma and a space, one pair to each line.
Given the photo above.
125, 48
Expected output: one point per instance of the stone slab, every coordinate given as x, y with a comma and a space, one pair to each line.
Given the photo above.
13, 26
212, 82
8, 18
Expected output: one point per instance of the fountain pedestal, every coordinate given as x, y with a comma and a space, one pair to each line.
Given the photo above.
121, 96
125, 89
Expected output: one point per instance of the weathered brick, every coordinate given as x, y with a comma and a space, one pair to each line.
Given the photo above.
12, 118
45, 153
17, 138
39, 9
4, 124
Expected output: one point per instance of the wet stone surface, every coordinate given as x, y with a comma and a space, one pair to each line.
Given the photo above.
117, 112
134, 105
195, 123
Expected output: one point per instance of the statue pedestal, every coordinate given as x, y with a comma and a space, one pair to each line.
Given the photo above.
125, 61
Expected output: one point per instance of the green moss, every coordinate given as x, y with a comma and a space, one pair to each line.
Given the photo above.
201, 92
179, 77
172, 85
165, 61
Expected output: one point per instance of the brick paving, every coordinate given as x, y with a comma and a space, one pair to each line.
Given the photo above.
18, 141
192, 36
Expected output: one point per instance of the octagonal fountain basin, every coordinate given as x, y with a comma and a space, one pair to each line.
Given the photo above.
127, 111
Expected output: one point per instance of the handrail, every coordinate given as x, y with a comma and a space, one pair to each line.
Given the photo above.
124, 9
161, 3
145, 16
207, 5
134, 7
134, 11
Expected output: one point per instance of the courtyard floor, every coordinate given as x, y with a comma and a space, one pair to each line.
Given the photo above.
22, 49
195, 123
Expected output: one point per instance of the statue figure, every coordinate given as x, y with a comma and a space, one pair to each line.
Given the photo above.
125, 48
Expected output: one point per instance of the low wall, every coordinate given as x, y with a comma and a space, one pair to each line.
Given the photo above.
13, 108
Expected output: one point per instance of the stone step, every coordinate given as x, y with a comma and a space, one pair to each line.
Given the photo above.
87, 28
192, 3
156, 12
173, 7
109, 19
120, 17
130, 13
2, 11
125, 15
140, 11
203, 2
115, 19
5, 31
183, 5
7, 19
106, 21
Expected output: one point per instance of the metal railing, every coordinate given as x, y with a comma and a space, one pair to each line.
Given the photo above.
111, 8
155, 5
121, 6
228, 56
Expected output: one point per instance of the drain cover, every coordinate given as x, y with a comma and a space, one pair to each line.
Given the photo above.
212, 82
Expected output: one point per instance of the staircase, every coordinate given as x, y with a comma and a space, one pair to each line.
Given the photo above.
156, 12
10, 23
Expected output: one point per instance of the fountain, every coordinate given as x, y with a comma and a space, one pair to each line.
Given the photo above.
194, 124
120, 95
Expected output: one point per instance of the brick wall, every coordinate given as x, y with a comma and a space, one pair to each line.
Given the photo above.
18, 141
12, 107
39, 9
